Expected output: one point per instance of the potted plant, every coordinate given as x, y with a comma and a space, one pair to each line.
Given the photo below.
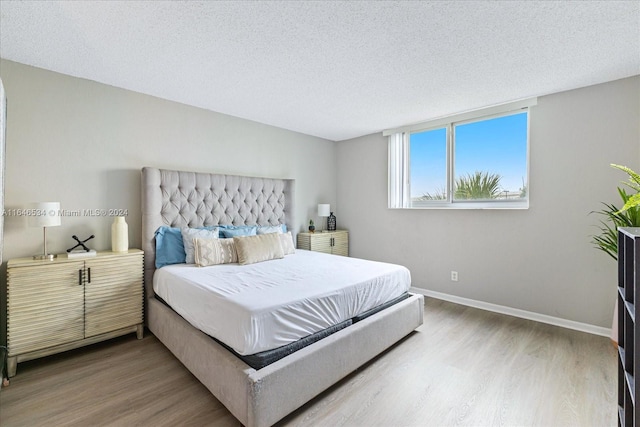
607, 240
312, 227
612, 218
627, 216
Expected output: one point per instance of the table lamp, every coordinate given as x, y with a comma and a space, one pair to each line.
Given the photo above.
44, 214
324, 210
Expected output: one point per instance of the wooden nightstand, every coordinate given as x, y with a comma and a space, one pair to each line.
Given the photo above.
54, 306
330, 242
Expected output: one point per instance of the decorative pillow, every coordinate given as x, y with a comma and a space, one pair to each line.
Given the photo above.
263, 247
286, 240
169, 246
266, 229
188, 234
228, 231
214, 251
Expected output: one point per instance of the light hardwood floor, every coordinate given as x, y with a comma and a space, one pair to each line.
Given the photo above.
464, 367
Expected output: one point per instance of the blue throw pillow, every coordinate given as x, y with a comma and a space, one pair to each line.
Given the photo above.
170, 247
229, 231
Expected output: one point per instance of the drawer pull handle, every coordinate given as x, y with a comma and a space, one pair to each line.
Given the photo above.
80, 277
89, 275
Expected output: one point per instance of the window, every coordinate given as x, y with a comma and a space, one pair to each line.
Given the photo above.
473, 161
428, 165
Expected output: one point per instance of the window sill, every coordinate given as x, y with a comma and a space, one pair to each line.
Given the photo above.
470, 205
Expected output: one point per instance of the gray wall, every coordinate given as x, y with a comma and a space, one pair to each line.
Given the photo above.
83, 144
541, 259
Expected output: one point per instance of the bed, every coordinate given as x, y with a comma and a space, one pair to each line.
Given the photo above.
255, 396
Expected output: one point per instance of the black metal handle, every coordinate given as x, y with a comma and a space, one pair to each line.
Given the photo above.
89, 275
80, 277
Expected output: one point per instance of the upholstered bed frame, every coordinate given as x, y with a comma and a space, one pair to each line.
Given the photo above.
256, 397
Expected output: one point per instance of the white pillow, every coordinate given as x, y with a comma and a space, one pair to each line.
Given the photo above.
262, 247
214, 251
188, 234
286, 240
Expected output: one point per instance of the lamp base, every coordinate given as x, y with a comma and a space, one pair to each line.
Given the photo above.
47, 257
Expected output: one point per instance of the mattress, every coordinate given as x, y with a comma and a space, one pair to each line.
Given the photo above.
263, 306
265, 358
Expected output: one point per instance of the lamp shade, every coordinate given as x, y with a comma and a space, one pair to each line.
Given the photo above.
324, 210
43, 214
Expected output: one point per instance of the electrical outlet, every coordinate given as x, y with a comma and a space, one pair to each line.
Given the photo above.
454, 276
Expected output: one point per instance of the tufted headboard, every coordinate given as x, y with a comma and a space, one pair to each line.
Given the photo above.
192, 199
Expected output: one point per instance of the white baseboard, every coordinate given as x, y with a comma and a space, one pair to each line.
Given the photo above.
543, 318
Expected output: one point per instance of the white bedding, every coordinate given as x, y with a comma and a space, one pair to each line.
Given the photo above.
259, 307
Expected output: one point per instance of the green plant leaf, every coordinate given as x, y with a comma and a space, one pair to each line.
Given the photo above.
477, 185
634, 178
632, 202
439, 194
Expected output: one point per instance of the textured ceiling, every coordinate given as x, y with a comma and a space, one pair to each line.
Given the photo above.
331, 69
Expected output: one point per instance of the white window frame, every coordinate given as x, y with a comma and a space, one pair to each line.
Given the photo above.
399, 160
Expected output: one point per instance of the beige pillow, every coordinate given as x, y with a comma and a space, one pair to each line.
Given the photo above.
286, 240
262, 247
214, 251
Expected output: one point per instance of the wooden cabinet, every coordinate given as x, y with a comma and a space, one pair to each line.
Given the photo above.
330, 242
54, 306
628, 333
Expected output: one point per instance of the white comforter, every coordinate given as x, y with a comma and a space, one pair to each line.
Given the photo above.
259, 307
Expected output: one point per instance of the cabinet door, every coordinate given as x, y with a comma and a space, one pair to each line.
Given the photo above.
113, 293
340, 244
45, 306
321, 242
